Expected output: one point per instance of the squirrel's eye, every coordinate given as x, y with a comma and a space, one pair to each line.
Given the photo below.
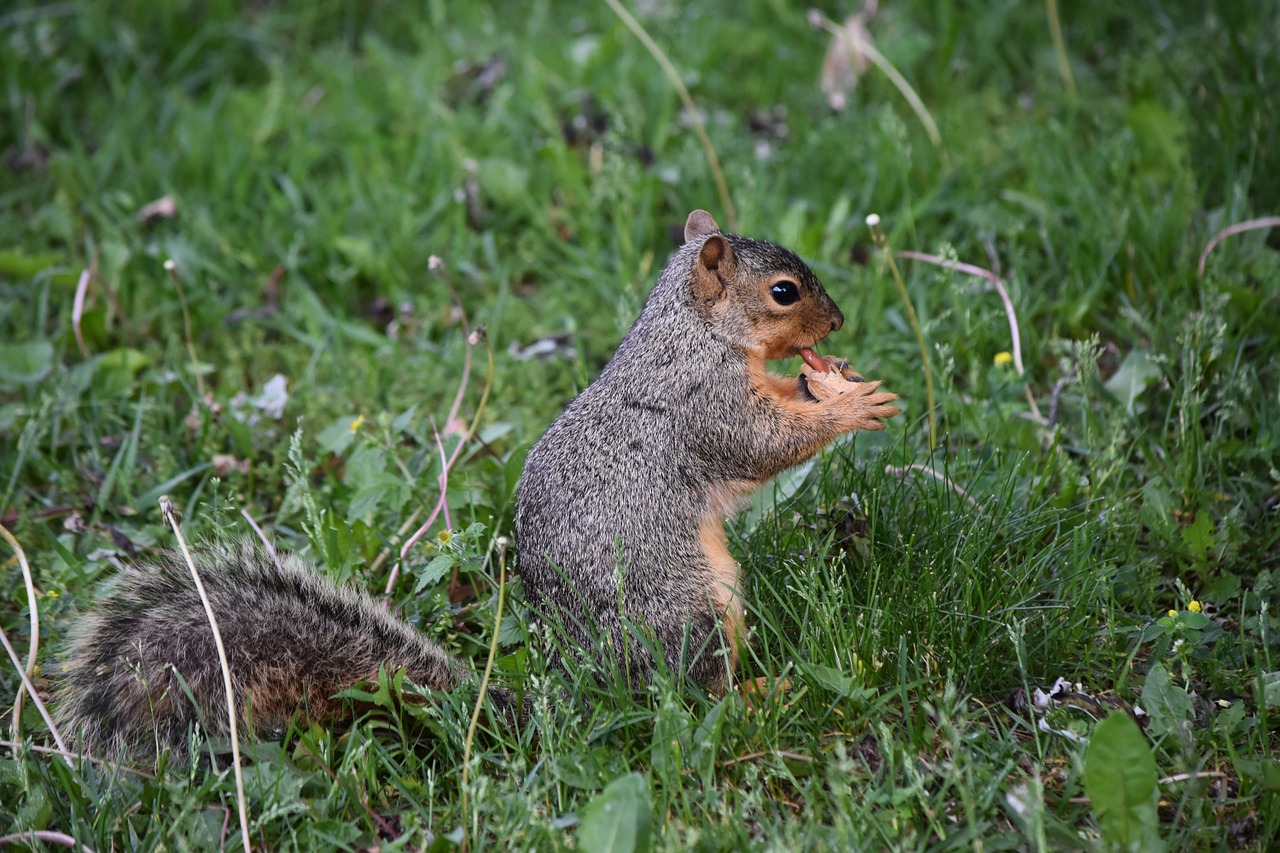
784, 292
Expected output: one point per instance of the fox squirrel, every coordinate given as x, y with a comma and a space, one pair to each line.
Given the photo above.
619, 525
620, 509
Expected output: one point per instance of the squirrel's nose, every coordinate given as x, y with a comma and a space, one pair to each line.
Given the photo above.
837, 321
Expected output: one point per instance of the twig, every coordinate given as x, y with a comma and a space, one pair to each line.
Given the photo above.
1059, 45
1231, 231
699, 127
899, 82
882, 241
35, 697
167, 510
1055, 399
33, 646
172, 269
48, 836
501, 543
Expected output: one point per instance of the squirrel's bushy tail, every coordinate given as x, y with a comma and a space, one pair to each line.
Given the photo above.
142, 668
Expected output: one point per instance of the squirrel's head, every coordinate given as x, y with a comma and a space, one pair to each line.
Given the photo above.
758, 295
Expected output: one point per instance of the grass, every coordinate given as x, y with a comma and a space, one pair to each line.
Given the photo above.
546, 163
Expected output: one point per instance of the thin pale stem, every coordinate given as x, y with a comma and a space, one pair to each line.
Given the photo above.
1000, 289
882, 240
33, 646
1059, 44
172, 269
167, 510
699, 127
35, 697
501, 542
1231, 231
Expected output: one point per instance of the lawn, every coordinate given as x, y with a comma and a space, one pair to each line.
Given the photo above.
970, 607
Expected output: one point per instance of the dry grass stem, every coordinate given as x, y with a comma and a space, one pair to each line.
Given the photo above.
904, 470
881, 240
262, 537
80, 756
501, 543
699, 126
1231, 231
1000, 289
167, 510
35, 697
77, 307
33, 647
1059, 44
48, 836
172, 269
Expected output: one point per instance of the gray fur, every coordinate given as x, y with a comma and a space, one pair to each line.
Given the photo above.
613, 497
293, 639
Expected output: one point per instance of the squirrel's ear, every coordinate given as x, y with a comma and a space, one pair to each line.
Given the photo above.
699, 224
715, 260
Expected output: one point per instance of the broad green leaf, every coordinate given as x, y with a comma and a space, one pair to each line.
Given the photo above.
1266, 773
337, 436
16, 264
1198, 536
706, 742
617, 820
1136, 374
1161, 138
1167, 705
435, 570
1120, 779
504, 181
1269, 687
29, 362
670, 740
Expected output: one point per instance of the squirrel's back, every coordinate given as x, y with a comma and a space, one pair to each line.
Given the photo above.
142, 668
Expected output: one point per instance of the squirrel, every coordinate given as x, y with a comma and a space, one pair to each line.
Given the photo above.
621, 505
619, 527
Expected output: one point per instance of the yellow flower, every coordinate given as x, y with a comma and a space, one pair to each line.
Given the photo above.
1003, 359
1194, 606
444, 536
1173, 614
357, 423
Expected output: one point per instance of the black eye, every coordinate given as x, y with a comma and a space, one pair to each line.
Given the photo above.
785, 292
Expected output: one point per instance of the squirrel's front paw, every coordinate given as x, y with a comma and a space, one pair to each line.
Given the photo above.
860, 404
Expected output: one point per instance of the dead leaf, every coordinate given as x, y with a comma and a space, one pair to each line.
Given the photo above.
225, 463
845, 62
165, 207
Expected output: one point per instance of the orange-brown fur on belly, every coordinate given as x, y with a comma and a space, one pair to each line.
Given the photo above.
725, 592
